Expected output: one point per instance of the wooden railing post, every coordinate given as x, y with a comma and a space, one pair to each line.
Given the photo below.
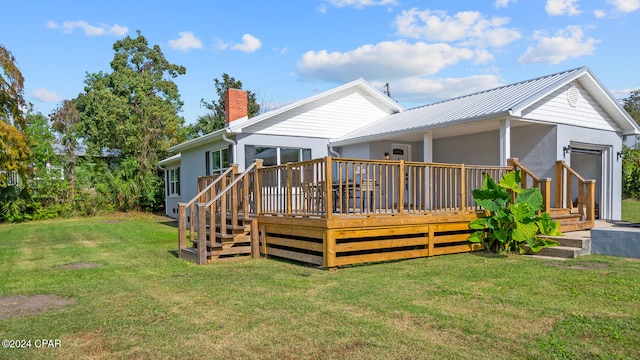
328, 187
223, 206
233, 198
559, 183
591, 201
289, 192
463, 188
182, 227
257, 188
545, 189
255, 239
401, 185
202, 233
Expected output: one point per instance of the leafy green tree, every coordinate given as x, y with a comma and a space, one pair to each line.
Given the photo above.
632, 105
215, 120
65, 119
14, 142
134, 109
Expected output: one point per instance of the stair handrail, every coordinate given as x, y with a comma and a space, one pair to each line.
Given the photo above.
586, 191
544, 184
182, 211
209, 205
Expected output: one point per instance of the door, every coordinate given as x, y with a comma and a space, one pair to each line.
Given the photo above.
588, 162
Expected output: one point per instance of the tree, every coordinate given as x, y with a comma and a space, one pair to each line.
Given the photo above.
134, 109
14, 142
632, 105
215, 120
65, 119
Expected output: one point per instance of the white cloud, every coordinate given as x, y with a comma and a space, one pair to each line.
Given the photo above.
567, 43
45, 95
361, 4
503, 3
384, 61
599, 13
185, 42
249, 44
626, 6
426, 90
68, 27
467, 27
562, 7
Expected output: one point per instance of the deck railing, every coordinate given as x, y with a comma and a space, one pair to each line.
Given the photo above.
208, 187
568, 183
530, 180
352, 187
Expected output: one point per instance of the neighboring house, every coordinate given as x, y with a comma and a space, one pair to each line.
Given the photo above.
566, 116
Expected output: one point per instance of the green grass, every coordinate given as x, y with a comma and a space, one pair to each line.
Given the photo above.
145, 303
631, 210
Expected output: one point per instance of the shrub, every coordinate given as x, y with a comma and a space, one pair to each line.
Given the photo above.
512, 225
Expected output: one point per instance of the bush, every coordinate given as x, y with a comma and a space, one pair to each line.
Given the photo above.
511, 226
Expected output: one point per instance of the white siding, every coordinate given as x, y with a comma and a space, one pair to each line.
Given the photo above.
555, 108
329, 117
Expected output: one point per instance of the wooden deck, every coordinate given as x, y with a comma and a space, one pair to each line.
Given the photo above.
335, 212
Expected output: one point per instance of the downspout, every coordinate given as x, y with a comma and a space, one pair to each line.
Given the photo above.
333, 152
234, 149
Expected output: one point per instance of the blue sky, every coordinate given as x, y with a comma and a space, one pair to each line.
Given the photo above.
288, 50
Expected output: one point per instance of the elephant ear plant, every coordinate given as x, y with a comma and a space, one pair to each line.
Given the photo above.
512, 225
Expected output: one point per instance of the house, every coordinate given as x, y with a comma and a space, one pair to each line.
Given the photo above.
348, 176
565, 117
299, 131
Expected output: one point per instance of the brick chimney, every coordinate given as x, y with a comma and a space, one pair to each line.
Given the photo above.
235, 104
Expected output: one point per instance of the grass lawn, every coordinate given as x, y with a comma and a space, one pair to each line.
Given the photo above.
143, 302
631, 210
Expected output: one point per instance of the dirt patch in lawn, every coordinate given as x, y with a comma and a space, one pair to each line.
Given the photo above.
113, 221
18, 305
581, 266
79, 265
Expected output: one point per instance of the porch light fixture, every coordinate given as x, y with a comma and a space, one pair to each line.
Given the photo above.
620, 155
386, 156
566, 149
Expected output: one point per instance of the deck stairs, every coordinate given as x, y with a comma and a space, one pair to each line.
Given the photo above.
569, 219
570, 246
232, 244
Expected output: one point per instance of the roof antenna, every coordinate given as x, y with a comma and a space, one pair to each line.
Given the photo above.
388, 92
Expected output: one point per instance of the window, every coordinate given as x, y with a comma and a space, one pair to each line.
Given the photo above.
217, 161
174, 181
275, 155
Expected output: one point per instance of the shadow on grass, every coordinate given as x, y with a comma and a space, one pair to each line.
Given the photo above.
174, 253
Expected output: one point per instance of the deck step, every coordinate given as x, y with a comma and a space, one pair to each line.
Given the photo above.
560, 251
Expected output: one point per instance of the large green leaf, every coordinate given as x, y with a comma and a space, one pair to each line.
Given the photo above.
477, 237
478, 224
547, 226
524, 231
531, 197
521, 212
511, 181
491, 199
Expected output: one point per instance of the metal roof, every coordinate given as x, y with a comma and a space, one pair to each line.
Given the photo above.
504, 101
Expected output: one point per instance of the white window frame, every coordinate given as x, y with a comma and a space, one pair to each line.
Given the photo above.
174, 182
221, 168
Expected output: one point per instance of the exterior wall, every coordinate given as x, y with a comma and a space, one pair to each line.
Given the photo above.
557, 109
535, 146
171, 201
329, 117
475, 149
376, 150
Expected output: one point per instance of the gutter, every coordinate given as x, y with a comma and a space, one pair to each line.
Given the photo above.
333, 151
